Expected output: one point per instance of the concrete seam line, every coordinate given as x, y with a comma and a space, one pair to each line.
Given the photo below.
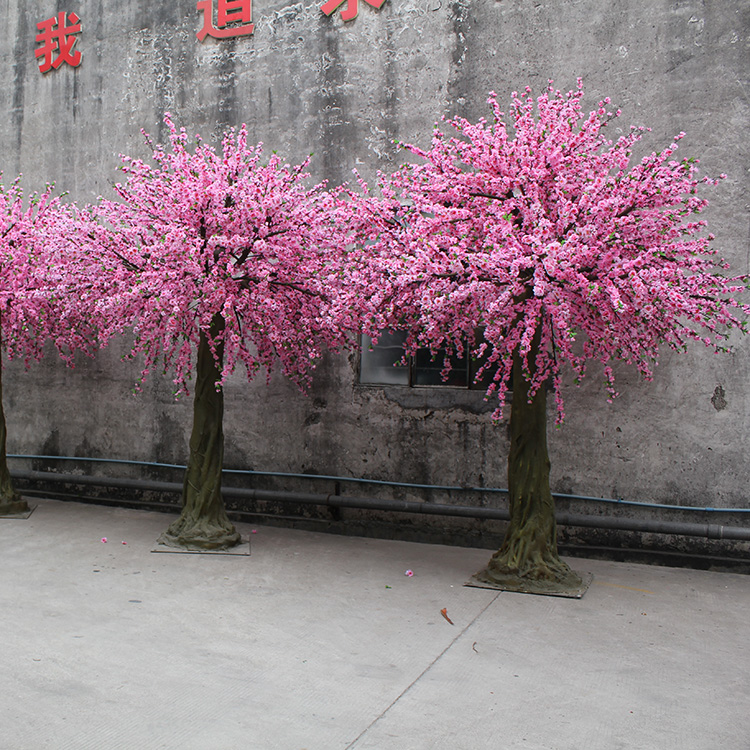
421, 675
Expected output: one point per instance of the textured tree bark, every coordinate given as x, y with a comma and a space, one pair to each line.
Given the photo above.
203, 523
528, 559
10, 501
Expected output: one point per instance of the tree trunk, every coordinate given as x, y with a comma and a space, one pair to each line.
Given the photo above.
11, 502
528, 558
203, 523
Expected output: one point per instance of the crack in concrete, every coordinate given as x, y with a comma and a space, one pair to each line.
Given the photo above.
422, 674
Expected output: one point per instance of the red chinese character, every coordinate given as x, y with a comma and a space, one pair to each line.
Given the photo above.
230, 11
351, 9
57, 36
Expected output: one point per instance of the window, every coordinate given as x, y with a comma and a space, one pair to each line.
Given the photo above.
381, 364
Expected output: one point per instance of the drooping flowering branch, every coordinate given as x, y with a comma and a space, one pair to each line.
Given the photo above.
47, 287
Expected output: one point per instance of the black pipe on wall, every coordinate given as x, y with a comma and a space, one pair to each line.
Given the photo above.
677, 528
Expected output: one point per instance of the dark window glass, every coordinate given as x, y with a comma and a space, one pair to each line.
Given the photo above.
382, 364
427, 370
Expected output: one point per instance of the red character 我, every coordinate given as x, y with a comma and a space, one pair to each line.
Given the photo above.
57, 39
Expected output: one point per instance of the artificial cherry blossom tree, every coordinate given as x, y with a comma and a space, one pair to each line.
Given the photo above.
46, 294
222, 260
539, 245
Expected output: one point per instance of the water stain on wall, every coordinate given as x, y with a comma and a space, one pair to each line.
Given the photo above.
719, 398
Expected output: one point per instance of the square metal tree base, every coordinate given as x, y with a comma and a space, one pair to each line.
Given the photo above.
541, 588
20, 516
242, 550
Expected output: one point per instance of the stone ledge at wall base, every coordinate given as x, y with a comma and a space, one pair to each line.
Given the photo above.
669, 550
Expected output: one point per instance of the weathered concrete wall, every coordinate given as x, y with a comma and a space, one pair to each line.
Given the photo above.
307, 83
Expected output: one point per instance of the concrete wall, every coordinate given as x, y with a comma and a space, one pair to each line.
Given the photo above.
305, 83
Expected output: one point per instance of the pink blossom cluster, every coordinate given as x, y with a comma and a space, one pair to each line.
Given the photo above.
43, 277
203, 233
545, 226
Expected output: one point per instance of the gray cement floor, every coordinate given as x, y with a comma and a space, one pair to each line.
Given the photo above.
318, 642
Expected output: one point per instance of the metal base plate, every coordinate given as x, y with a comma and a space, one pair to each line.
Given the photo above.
23, 515
541, 588
242, 550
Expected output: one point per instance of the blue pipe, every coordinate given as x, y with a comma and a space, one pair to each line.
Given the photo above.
250, 472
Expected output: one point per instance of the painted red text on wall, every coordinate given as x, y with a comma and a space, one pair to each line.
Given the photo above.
352, 7
57, 39
234, 18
